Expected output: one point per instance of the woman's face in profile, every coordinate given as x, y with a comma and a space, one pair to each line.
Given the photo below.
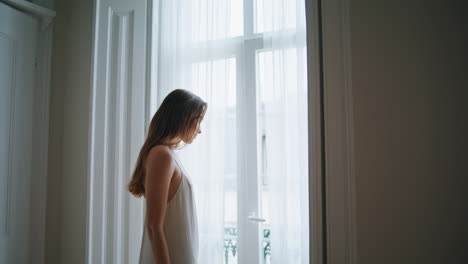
197, 131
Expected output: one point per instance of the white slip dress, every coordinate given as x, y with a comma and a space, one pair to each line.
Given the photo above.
180, 226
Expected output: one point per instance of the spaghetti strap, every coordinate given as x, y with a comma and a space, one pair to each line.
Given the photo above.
181, 167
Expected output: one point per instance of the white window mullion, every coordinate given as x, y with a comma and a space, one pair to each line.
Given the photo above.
249, 17
250, 238
248, 235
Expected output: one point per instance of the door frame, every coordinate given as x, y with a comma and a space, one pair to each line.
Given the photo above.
42, 73
117, 100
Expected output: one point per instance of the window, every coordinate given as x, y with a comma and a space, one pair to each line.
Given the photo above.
264, 169
248, 60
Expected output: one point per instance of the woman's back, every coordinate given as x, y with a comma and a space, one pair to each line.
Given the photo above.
180, 226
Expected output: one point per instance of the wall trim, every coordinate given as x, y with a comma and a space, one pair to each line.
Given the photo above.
91, 118
44, 14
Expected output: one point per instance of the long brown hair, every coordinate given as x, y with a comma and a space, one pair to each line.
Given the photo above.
177, 115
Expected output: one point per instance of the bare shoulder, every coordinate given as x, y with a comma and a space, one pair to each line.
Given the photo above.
159, 156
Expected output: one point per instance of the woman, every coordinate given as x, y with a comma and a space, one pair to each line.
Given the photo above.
170, 234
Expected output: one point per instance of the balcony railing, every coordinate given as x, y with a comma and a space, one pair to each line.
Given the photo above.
230, 245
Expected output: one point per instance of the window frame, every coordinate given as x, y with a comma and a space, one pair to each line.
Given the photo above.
332, 232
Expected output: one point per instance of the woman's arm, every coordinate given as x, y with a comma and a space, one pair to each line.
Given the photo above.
159, 171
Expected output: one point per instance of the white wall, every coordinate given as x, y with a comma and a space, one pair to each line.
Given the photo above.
410, 107
68, 135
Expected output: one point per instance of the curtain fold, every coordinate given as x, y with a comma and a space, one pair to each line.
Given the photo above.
283, 95
186, 61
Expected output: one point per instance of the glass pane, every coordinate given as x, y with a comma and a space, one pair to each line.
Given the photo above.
273, 15
282, 128
221, 76
216, 19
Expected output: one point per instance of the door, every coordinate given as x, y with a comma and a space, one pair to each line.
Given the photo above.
18, 35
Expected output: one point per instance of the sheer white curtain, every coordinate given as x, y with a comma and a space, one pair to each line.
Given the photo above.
211, 47
282, 82
187, 60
